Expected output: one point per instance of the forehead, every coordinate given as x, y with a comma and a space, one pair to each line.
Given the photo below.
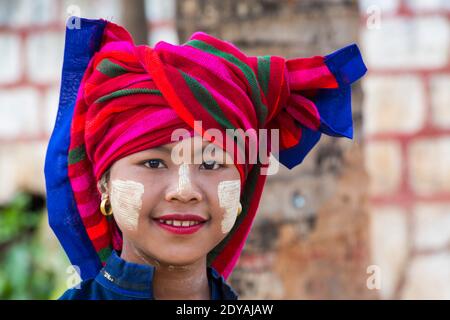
193, 142
193, 146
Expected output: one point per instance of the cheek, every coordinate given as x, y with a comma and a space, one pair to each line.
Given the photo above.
228, 193
126, 202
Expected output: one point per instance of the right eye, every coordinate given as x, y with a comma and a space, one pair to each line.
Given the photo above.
154, 163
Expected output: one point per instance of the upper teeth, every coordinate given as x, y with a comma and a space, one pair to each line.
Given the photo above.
178, 223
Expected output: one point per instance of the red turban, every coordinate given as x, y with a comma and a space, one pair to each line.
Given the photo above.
131, 98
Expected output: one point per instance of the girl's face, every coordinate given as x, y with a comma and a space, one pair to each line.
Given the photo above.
147, 186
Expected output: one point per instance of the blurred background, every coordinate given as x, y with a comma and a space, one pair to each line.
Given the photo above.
361, 219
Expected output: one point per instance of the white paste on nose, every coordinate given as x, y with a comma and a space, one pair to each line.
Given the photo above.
229, 192
126, 202
184, 182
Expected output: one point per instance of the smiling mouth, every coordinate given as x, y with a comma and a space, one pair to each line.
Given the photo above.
180, 227
180, 223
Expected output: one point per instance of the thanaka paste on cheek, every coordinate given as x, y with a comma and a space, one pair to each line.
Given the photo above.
126, 202
229, 192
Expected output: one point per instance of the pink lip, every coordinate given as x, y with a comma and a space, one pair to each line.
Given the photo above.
181, 217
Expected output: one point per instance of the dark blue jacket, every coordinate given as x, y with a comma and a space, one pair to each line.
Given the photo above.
122, 280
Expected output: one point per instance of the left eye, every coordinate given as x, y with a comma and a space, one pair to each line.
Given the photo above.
153, 163
210, 165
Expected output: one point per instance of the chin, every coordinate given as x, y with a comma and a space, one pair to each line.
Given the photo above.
178, 258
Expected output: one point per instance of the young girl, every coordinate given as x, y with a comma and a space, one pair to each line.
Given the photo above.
139, 213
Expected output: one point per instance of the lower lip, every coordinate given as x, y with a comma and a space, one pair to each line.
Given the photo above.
180, 230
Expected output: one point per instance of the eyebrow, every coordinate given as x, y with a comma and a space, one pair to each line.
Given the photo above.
163, 148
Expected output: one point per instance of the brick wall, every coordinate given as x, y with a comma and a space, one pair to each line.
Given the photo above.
29, 72
407, 126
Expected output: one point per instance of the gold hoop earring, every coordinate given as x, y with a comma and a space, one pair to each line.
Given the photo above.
239, 209
105, 203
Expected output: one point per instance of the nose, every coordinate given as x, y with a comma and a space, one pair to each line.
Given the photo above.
183, 188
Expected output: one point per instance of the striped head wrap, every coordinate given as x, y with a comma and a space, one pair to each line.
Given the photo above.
117, 99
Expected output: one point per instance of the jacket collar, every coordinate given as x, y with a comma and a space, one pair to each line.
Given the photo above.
136, 280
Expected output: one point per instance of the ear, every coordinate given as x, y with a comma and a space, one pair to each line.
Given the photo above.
102, 184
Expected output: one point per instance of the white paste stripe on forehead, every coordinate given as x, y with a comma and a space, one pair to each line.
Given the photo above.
184, 183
